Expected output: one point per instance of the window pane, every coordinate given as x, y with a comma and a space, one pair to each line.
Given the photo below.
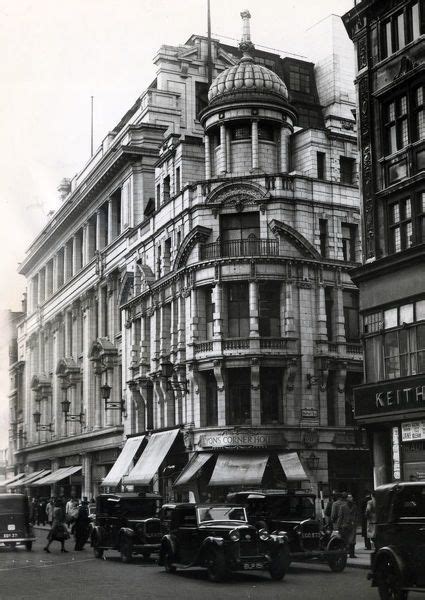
403, 105
388, 38
390, 318
392, 139
420, 337
421, 362
400, 28
391, 344
404, 138
415, 20
396, 239
392, 367
395, 213
409, 235
404, 341
407, 209
406, 314
420, 310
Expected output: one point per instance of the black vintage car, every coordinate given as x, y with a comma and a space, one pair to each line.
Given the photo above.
219, 538
15, 527
398, 562
294, 514
127, 523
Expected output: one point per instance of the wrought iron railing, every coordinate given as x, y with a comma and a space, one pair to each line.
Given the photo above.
236, 248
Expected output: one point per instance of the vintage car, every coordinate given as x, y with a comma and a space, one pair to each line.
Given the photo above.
15, 527
127, 523
398, 561
219, 538
294, 514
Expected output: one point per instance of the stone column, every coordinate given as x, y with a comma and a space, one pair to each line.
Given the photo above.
254, 144
194, 315
339, 315
87, 476
111, 224
289, 312
55, 272
220, 374
322, 332
284, 149
253, 309
100, 230
255, 392
207, 146
67, 262
223, 153
76, 254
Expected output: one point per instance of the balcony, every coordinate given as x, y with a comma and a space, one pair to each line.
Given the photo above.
245, 346
344, 350
240, 248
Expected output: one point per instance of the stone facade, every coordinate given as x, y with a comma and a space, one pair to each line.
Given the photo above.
198, 271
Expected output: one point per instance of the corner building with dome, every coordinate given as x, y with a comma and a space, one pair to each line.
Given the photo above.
234, 362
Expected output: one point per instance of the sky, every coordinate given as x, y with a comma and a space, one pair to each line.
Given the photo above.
57, 54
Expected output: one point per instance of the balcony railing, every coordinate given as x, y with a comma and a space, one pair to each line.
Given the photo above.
236, 344
236, 248
203, 347
273, 343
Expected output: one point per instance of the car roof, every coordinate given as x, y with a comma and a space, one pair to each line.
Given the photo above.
129, 495
264, 493
200, 505
388, 487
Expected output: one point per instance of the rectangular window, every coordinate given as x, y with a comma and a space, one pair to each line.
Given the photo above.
373, 359
391, 355
211, 407
239, 396
269, 309
201, 95
400, 219
419, 114
351, 315
329, 303
395, 124
349, 238
158, 195
323, 233
209, 312
238, 310
390, 318
299, 79
321, 165
271, 395
177, 180
373, 322
166, 188
346, 169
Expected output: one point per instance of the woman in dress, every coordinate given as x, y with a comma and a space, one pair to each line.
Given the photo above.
58, 532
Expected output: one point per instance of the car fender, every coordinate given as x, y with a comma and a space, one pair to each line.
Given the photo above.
335, 540
167, 542
126, 532
95, 534
389, 553
212, 541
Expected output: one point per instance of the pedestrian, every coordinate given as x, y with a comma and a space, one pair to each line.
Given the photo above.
49, 510
41, 514
71, 511
340, 498
328, 509
363, 518
58, 532
81, 525
347, 523
371, 518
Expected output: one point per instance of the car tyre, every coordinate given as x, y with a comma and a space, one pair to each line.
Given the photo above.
389, 581
168, 561
338, 562
126, 551
279, 566
216, 567
28, 546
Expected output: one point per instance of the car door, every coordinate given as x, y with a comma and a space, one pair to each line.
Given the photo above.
188, 536
409, 528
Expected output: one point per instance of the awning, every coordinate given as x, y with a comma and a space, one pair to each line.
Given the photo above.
57, 475
7, 482
155, 452
28, 479
197, 461
292, 467
239, 469
123, 462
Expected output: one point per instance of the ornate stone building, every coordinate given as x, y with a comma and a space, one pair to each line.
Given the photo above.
191, 297
390, 50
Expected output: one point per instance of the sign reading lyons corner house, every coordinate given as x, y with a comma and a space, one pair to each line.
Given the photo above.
403, 396
242, 438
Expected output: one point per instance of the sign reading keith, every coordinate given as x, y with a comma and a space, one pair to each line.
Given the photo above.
405, 395
242, 438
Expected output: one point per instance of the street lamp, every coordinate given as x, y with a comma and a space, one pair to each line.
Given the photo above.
105, 391
312, 462
66, 405
38, 426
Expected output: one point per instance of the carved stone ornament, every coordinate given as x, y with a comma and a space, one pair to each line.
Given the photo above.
310, 438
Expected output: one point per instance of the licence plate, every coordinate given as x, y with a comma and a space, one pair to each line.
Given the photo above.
252, 565
8, 536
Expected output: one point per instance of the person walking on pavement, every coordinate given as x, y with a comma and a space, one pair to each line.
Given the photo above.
328, 509
58, 532
347, 523
364, 520
50, 506
340, 499
371, 519
81, 525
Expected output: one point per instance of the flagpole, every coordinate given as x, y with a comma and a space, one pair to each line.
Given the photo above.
91, 127
209, 60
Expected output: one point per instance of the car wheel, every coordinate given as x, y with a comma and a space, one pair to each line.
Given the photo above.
126, 551
388, 579
338, 562
216, 566
168, 561
98, 552
279, 566
28, 546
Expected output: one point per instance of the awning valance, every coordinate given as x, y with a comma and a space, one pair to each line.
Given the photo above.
239, 469
197, 461
124, 462
29, 479
155, 452
292, 467
57, 475
7, 482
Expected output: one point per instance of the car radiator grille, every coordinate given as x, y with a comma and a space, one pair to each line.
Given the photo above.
152, 528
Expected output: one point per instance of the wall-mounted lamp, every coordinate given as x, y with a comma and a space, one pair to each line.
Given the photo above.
38, 426
66, 405
312, 462
105, 391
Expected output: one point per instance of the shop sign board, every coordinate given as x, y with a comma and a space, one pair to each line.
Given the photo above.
309, 413
412, 431
242, 439
405, 395
396, 453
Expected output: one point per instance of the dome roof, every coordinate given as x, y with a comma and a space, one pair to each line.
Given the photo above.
245, 77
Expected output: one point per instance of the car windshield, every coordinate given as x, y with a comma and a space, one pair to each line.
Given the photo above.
289, 508
136, 508
9, 505
221, 513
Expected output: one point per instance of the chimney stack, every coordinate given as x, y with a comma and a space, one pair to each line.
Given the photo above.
64, 188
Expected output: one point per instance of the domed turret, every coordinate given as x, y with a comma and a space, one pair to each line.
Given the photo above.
248, 119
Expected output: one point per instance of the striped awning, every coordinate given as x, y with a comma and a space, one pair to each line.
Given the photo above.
152, 456
29, 479
7, 482
192, 468
124, 462
292, 467
239, 469
57, 475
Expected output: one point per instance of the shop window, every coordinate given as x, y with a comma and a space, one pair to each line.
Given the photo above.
351, 315
323, 235
346, 169
269, 309
349, 239
271, 395
211, 409
238, 310
321, 165
329, 303
400, 219
239, 396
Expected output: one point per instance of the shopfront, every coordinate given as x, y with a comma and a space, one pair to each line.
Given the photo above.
393, 413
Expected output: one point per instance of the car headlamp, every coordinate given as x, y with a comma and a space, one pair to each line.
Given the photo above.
234, 535
264, 535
